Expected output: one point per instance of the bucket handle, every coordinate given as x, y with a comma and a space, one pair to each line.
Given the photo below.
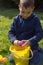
23, 57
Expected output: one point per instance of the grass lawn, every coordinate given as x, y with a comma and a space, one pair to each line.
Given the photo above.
6, 16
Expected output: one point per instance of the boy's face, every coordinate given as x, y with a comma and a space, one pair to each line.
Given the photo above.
25, 12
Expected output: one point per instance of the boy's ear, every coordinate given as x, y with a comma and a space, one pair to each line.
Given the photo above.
19, 6
34, 7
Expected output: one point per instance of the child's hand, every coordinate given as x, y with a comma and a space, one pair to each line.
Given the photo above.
16, 42
26, 42
22, 42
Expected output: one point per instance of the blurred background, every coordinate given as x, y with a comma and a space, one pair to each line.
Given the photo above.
14, 4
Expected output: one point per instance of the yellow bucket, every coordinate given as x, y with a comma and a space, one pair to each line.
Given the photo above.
21, 54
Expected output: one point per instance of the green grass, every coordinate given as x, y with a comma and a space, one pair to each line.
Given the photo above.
6, 16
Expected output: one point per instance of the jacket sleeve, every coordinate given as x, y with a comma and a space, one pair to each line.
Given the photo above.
12, 33
38, 32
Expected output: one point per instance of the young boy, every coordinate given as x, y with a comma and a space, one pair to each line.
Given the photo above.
26, 27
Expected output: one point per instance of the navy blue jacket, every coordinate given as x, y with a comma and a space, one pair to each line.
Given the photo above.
26, 29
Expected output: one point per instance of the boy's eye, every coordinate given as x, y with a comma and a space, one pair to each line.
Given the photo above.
28, 12
23, 12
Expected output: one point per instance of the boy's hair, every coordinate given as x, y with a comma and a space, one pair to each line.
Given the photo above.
27, 3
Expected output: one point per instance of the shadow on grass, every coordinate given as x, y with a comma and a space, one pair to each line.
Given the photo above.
40, 15
10, 13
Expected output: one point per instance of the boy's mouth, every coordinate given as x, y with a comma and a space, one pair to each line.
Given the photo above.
24, 17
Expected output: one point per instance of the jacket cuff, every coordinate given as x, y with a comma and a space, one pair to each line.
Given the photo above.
12, 40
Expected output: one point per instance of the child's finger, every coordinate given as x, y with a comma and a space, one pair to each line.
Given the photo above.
24, 44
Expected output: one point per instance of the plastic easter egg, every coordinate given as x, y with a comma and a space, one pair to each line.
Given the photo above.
21, 43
